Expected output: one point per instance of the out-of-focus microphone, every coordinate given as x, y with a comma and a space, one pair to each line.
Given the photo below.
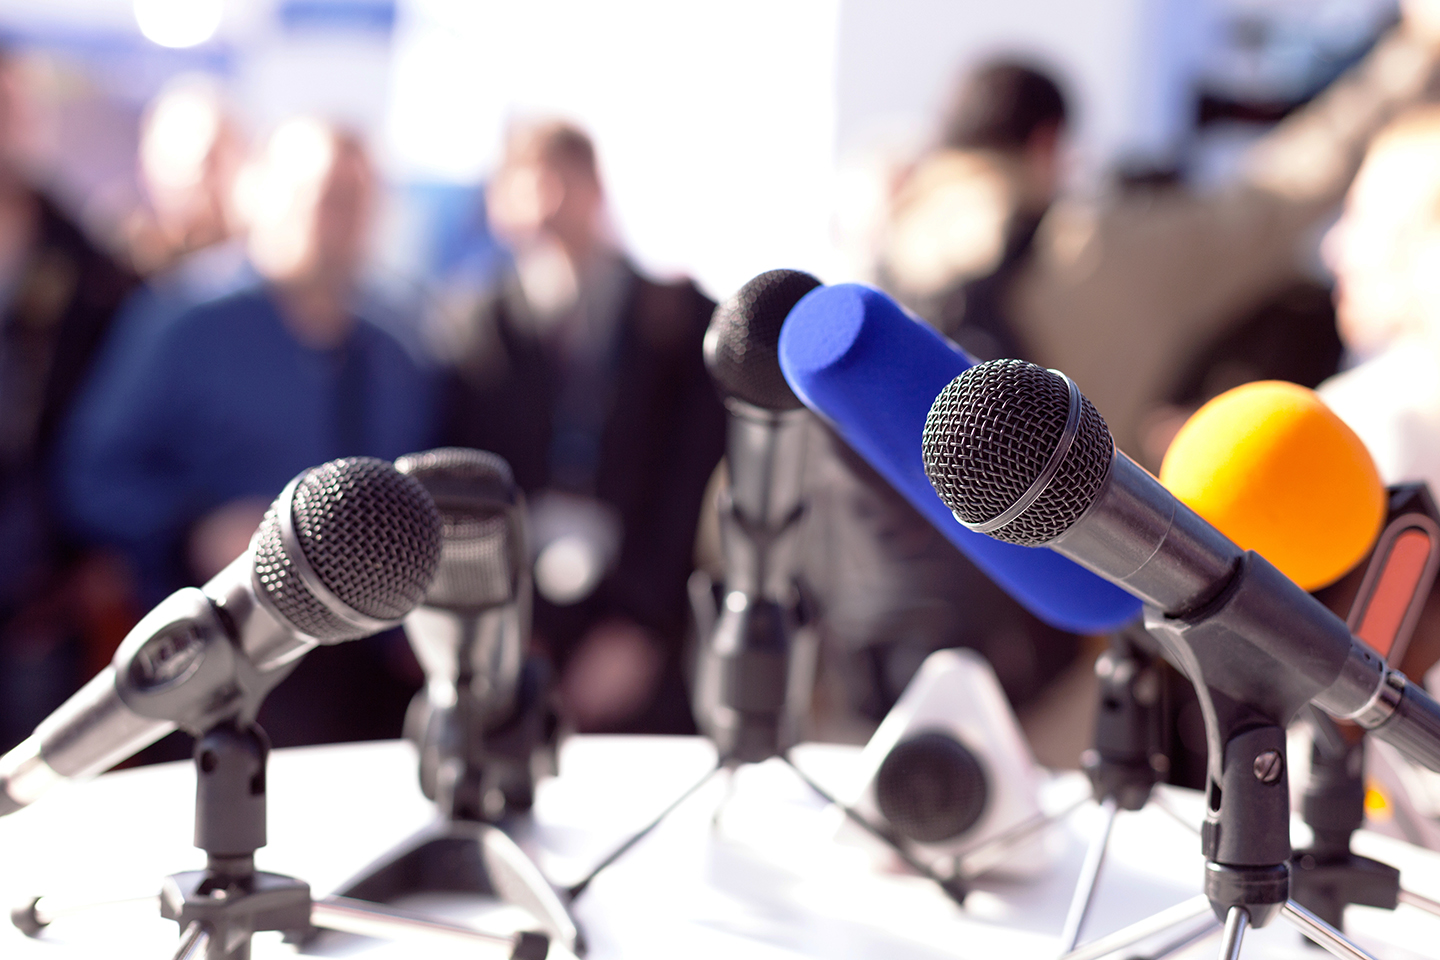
752, 683
1263, 462
345, 551
1019, 454
860, 362
470, 635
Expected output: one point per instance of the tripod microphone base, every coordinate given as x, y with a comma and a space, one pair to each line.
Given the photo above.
230, 913
466, 857
1326, 887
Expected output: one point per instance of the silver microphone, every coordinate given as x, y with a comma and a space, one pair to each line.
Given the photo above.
345, 551
471, 635
1017, 453
753, 680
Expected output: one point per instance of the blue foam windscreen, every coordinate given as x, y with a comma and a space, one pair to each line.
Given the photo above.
854, 357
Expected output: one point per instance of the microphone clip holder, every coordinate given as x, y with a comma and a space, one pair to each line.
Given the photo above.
228, 901
1246, 708
222, 906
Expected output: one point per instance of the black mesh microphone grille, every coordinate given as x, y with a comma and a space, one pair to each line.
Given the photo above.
742, 344
931, 788
990, 434
372, 536
480, 547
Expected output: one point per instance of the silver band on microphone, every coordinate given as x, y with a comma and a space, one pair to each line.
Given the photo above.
1052, 466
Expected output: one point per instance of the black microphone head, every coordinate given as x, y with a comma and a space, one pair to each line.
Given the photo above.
742, 343
482, 545
348, 549
995, 431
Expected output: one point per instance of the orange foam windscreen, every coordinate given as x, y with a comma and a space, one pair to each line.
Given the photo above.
1275, 470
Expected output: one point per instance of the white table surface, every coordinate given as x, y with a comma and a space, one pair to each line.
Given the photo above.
769, 882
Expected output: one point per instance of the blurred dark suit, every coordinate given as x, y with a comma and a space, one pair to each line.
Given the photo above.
54, 604
656, 433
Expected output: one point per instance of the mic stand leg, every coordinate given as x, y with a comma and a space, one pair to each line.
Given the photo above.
1188, 911
1419, 902
579, 888
1237, 921
955, 886
1332, 940
1089, 874
194, 942
1128, 758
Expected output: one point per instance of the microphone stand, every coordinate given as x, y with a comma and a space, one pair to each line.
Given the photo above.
757, 667
1327, 876
1128, 759
219, 908
1246, 834
476, 777
222, 906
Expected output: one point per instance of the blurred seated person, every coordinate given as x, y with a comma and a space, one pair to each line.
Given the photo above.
962, 221
58, 293
1123, 290
588, 378
1385, 253
174, 456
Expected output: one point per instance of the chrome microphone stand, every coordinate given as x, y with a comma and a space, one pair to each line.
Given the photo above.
220, 907
482, 724
1129, 756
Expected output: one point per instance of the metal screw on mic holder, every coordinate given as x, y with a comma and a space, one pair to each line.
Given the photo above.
1269, 766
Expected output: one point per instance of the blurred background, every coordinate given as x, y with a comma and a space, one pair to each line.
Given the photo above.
776, 108
238, 163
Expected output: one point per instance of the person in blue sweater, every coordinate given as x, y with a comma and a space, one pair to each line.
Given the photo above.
175, 449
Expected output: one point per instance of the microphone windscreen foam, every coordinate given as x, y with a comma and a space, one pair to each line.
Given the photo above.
1276, 471
370, 536
856, 359
481, 546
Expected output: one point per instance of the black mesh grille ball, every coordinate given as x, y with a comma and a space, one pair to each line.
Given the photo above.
481, 543
990, 434
931, 788
742, 343
370, 533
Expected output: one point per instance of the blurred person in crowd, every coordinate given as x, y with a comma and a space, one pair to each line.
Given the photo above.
1124, 292
173, 456
588, 378
191, 155
58, 293
889, 588
963, 219
1385, 253
193, 250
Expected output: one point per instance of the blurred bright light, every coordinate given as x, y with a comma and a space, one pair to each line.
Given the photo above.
182, 129
178, 23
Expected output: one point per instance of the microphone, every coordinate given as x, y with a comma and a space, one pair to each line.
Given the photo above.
1262, 462
859, 361
470, 634
753, 680
345, 551
1018, 454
